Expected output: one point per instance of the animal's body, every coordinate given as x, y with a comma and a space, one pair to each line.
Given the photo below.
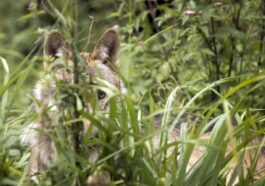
102, 61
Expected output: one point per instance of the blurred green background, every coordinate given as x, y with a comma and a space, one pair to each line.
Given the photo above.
166, 45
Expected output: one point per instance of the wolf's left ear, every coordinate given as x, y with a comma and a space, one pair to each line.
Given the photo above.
107, 48
55, 45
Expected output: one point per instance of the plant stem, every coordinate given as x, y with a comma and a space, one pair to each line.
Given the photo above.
208, 43
77, 127
262, 33
233, 41
215, 59
52, 10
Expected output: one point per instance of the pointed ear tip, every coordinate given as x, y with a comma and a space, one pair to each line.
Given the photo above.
112, 31
53, 35
53, 42
54, 32
116, 27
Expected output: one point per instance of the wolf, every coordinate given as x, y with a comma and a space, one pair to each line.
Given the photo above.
103, 60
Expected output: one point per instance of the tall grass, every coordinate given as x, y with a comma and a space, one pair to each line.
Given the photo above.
223, 131
126, 146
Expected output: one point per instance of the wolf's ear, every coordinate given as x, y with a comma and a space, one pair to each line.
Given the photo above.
107, 48
55, 45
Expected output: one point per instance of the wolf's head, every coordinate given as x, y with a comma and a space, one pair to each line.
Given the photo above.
101, 62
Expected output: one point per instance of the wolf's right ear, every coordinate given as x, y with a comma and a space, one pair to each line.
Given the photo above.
107, 48
55, 45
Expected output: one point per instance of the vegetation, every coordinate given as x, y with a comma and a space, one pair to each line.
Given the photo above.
193, 65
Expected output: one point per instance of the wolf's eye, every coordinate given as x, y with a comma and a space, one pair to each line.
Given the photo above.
101, 94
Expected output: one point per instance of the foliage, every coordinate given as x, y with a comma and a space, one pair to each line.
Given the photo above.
201, 59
